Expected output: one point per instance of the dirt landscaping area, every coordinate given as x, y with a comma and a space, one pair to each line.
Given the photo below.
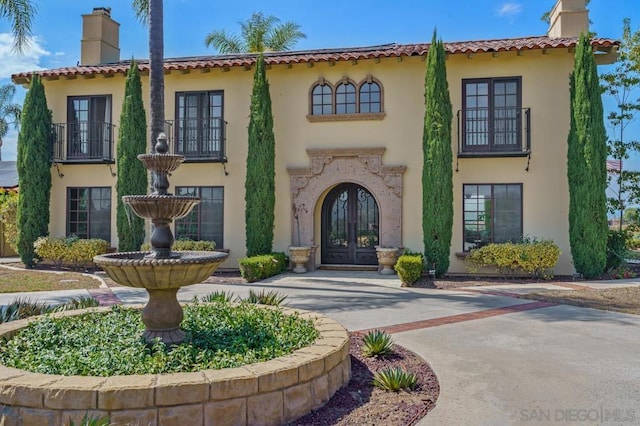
626, 300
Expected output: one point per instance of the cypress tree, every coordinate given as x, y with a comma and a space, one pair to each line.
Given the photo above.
260, 195
34, 173
437, 173
132, 176
586, 166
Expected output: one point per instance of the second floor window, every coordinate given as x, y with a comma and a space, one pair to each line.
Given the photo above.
491, 114
89, 129
199, 124
346, 98
322, 100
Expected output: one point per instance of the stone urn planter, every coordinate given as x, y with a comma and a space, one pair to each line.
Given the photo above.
299, 256
387, 258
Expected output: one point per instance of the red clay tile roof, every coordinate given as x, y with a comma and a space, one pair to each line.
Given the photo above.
325, 55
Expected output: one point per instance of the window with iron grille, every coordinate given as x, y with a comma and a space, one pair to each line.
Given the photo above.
89, 212
89, 128
199, 125
206, 220
492, 214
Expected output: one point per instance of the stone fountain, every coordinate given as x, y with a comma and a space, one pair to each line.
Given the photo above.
161, 272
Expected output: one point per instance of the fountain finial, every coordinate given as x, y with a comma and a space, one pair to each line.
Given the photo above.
162, 147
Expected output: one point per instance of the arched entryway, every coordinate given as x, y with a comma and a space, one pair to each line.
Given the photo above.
350, 226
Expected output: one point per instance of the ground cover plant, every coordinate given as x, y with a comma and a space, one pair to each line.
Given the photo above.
219, 335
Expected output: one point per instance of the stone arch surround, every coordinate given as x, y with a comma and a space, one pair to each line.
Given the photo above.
330, 167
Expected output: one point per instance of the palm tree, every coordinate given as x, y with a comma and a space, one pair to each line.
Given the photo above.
259, 33
151, 11
8, 110
20, 13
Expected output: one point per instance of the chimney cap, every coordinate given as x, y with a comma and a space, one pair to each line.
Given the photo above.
102, 10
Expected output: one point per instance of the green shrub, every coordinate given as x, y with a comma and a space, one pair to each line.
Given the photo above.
52, 249
617, 243
257, 268
70, 251
219, 335
394, 379
536, 258
82, 252
377, 343
186, 245
409, 268
272, 298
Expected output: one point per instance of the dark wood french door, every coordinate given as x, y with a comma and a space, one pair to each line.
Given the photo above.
350, 224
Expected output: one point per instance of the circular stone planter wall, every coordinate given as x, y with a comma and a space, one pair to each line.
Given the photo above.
268, 393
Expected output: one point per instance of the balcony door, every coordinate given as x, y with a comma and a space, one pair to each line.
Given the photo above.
89, 127
492, 115
350, 224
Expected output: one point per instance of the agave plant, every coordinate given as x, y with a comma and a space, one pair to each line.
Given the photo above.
394, 379
377, 343
219, 296
270, 297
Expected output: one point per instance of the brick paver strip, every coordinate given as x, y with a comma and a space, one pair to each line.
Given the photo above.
435, 322
104, 296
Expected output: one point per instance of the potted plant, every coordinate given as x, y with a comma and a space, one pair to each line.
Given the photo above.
299, 254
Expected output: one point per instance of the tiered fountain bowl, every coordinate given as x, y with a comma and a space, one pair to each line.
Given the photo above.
161, 272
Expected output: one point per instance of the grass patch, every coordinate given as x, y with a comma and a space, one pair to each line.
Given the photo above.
21, 281
219, 335
626, 299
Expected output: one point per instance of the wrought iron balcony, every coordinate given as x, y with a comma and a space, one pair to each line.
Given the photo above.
494, 132
199, 140
83, 142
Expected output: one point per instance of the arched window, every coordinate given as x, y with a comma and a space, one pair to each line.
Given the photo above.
346, 98
321, 99
370, 97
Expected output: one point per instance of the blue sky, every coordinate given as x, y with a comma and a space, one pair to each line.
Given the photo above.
331, 23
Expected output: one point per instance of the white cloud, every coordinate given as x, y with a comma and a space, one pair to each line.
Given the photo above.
29, 60
510, 9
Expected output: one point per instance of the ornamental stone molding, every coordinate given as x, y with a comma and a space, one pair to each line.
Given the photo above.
330, 167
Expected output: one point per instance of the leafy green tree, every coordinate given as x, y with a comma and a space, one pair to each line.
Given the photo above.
258, 34
631, 216
260, 188
34, 175
21, 14
132, 176
437, 173
9, 112
622, 84
586, 166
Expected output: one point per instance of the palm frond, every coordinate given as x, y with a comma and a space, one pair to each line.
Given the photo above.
225, 43
284, 37
20, 13
141, 9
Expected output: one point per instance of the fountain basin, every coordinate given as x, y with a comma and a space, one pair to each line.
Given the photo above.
156, 206
161, 162
274, 392
134, 269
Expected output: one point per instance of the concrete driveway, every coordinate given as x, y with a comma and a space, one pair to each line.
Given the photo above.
500, 360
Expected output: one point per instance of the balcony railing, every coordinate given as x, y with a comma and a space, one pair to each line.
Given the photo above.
494, 132
198, 140
83, 142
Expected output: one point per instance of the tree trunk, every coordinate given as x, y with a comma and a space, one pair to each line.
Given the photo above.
156, 70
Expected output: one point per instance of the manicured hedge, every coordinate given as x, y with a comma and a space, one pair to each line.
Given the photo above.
536, 258
409, 268
70, 251
257, 268
187, 245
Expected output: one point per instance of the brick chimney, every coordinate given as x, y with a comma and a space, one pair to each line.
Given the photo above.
568, 18
100, 38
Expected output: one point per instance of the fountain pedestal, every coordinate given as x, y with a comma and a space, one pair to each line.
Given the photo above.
161, 272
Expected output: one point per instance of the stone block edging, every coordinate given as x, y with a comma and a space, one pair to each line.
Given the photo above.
269, 393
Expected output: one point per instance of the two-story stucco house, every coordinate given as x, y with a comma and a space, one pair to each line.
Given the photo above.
348, 128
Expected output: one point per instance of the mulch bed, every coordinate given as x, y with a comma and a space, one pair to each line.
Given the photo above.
360, 403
